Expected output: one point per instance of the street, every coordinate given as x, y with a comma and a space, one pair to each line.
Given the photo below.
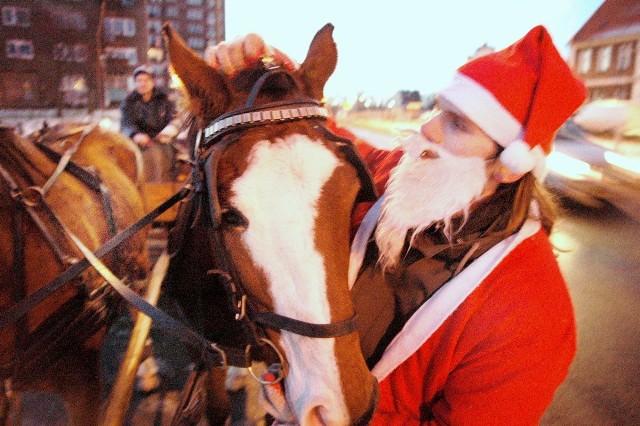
602, 268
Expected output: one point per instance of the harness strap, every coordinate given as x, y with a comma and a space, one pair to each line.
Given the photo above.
11, 315
216, 355
91, 180
303, 328
64, 160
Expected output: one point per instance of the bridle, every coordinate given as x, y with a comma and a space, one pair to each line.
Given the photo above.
219, 136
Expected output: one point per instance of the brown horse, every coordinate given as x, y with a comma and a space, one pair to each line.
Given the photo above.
55, 346
98, 145
269, 222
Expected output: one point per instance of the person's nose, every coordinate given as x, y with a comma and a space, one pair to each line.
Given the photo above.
432, 129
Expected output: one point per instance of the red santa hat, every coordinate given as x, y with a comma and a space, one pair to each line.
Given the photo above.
519, 96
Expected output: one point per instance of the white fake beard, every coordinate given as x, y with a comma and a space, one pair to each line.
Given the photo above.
422, 191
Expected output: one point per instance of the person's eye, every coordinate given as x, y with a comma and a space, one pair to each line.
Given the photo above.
457, 123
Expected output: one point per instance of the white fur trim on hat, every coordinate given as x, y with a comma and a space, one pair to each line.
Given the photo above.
481, 107
518, 158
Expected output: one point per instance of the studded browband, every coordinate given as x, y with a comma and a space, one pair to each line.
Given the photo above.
272, 113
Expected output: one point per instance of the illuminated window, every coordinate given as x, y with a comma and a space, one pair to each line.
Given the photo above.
584, 61
74, 90
603, 61
625, 52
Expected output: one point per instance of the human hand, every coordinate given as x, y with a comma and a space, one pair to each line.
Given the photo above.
142, 140
245, 52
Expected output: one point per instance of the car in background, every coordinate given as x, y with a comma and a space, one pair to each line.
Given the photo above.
596, 158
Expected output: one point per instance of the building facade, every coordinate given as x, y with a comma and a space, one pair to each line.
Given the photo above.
47, 53
605, 52
199, 22
66, 54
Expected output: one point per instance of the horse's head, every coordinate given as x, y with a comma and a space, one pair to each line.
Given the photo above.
281, 190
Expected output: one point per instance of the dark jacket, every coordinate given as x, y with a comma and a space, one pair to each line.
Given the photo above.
150, 117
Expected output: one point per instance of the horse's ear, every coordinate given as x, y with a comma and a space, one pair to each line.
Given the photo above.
320, 62
207, 90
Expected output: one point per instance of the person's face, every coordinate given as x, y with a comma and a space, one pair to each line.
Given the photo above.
456, 133
144, 84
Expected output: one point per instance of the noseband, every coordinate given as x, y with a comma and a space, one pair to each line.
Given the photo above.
219, 135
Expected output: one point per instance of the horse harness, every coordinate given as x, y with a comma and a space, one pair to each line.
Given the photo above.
46, 342
220, 135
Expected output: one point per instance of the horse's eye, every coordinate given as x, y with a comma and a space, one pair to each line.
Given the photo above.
233, 217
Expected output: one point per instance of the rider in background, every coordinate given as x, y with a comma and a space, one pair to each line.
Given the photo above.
147, 117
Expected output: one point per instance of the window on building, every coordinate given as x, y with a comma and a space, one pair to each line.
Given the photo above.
74, 90
194, 2
196, 42
603, 60
175, 25
211, 19
193, 28
195, 14
155, 40
69, 20
128, 3
625, 54
584, 61
14, 16
130, 54
116, 27
19, 49
154, 11
154, 26
64, 52
172, 12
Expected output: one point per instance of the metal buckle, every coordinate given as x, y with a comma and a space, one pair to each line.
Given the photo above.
278, 366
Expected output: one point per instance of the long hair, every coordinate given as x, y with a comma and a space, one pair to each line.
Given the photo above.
526, 190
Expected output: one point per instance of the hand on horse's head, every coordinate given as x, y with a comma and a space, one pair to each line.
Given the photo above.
245, 52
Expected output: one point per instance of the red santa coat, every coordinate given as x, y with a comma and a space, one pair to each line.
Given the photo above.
490, 347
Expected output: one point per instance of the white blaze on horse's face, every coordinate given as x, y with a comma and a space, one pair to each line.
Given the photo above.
279, 193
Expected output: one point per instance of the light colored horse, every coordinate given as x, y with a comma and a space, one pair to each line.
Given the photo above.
277, 198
